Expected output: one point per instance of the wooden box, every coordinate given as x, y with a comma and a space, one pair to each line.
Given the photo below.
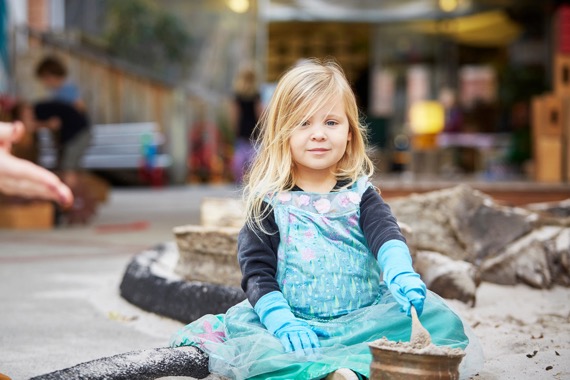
548, 138
551, 118
562, 74
37, 215
548, 159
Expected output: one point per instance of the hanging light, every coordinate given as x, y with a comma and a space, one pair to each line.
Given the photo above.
448, 6
238, 6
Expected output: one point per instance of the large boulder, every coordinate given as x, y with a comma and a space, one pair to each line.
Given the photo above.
451, 279
462, 223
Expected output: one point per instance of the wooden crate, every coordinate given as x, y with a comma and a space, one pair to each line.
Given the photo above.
549, 131
29, 216
548, 159
562, 74
566, 137
552, 116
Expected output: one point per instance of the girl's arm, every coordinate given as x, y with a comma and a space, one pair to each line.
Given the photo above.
388, 244
257, 257
377, 221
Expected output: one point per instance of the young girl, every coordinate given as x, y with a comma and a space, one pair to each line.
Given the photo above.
325, 267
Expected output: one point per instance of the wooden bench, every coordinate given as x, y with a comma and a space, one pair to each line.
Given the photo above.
115, 147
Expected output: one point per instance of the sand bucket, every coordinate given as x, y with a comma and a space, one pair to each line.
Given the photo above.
400, 361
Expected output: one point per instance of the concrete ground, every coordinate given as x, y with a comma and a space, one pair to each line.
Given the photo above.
59, 289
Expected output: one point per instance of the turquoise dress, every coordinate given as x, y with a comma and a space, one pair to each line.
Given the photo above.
331, 280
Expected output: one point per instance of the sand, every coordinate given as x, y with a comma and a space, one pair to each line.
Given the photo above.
416, 348
525, 332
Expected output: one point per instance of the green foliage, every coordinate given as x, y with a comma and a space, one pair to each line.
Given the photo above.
141, 32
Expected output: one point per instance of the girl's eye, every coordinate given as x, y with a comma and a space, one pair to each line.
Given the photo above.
331, 123
304, 123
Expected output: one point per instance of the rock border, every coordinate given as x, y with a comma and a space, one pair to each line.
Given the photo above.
150, 283
141, 365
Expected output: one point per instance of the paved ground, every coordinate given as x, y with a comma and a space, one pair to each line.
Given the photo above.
59, 300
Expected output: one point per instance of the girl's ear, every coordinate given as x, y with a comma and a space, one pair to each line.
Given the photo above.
349, 135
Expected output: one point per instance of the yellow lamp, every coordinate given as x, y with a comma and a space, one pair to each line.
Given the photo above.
427, 119
238, 6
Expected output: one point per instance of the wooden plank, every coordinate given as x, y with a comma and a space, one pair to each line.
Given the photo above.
549, 167
27, 216
551, 120
566, 136
562, 74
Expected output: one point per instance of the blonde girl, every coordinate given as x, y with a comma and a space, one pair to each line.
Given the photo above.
325, 267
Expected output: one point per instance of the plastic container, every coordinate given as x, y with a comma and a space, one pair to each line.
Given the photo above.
393, 364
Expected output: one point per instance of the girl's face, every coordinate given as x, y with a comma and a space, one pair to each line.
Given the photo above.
319, 143
51, 82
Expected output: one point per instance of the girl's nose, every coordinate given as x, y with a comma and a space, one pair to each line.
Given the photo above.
318, 134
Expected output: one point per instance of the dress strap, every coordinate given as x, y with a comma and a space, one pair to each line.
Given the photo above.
362, 184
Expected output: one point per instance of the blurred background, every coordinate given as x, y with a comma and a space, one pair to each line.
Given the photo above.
451, 90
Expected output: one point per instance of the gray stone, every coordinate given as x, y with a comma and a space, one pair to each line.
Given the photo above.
222, 212
559, 257
452, 279
462, 223
425, 215
208, 254
557, 209
525, 260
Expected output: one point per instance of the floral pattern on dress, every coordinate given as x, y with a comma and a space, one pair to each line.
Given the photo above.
320, 236
322, 206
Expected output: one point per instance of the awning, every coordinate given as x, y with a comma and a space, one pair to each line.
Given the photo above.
373, 11
492, 28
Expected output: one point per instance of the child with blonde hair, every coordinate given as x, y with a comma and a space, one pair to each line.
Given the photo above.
325, 267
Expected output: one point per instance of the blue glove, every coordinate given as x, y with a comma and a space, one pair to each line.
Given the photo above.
399, 275
294, 333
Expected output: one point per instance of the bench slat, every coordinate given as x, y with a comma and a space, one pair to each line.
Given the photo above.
114, 146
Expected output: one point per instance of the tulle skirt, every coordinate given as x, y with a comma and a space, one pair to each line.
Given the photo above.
239, 347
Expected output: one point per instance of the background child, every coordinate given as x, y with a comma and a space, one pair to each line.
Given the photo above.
317, 244
71, 129
246, 108
52, 73
65, 113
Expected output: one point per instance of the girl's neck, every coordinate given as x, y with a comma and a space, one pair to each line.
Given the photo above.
316, 183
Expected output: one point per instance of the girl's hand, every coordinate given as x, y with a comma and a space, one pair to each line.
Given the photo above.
298, 336
408, 289
295, 334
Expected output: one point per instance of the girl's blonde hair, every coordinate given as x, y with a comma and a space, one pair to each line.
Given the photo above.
301, 91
